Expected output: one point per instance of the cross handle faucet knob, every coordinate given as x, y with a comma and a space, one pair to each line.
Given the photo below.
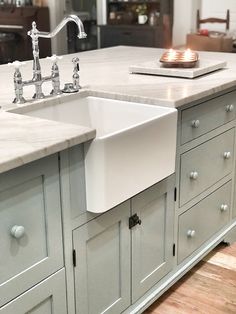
54, 58
16, 64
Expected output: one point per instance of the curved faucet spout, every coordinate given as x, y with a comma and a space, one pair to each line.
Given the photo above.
69, 18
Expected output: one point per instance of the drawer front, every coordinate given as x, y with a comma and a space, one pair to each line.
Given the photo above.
206, 164
48, 297
126, 36
201, 221
207, 116
30, 226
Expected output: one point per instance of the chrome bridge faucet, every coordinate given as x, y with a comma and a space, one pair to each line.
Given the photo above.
37, 79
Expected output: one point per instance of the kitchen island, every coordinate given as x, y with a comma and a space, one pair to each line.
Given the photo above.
113, 262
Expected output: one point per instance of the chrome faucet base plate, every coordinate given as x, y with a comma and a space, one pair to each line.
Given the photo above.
70, 88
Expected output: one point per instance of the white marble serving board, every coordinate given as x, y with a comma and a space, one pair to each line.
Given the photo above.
203, 66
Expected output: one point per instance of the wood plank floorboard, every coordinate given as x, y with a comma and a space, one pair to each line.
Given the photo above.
208, 288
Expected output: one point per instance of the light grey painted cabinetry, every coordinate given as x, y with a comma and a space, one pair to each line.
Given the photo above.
102, 272
108, 275
201, 221
122, 260
152, 241
30, 226
108, 279
207, 116
48, 297
205, 173
206, 164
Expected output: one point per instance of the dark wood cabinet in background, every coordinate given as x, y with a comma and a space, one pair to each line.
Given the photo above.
123, 29
131, 35
17, 21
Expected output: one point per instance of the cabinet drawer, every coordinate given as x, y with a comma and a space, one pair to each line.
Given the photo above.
48, 297
113, 36
30, 226
201, 221
207, 116
206, 164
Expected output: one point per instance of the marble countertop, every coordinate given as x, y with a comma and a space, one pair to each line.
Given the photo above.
104, 73
24, 139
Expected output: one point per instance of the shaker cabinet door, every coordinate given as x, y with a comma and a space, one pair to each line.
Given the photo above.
47, 297
152, 239
102, 271
30, 226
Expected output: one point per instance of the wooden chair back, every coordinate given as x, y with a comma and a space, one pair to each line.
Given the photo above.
212, 20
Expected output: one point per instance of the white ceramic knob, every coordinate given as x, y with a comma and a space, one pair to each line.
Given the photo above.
224, 207
229, 108
193, 175
16, 64
54, 58
195, 123
227, 155
17, 231
191, 233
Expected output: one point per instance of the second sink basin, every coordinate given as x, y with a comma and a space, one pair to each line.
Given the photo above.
134, 146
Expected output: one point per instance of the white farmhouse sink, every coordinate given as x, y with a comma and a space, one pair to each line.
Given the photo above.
134, 147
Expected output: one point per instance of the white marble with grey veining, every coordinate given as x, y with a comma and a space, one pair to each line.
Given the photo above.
24, 139
104, 73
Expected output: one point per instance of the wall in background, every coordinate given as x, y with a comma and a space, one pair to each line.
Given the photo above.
184, 19
217, 8
101, 12
185, 16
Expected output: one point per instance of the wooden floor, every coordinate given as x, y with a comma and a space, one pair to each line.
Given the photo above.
209, 288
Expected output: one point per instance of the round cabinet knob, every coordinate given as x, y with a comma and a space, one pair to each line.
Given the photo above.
17, 231
227, 155
191, 233
193, 175
224, 207
195, 123
229, 108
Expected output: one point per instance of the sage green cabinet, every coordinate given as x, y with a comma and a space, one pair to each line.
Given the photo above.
48, 297
204, 165
30, 226
207, 116
152, 241
205, 170
200, 222
102, 271
234, 203
109, 275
